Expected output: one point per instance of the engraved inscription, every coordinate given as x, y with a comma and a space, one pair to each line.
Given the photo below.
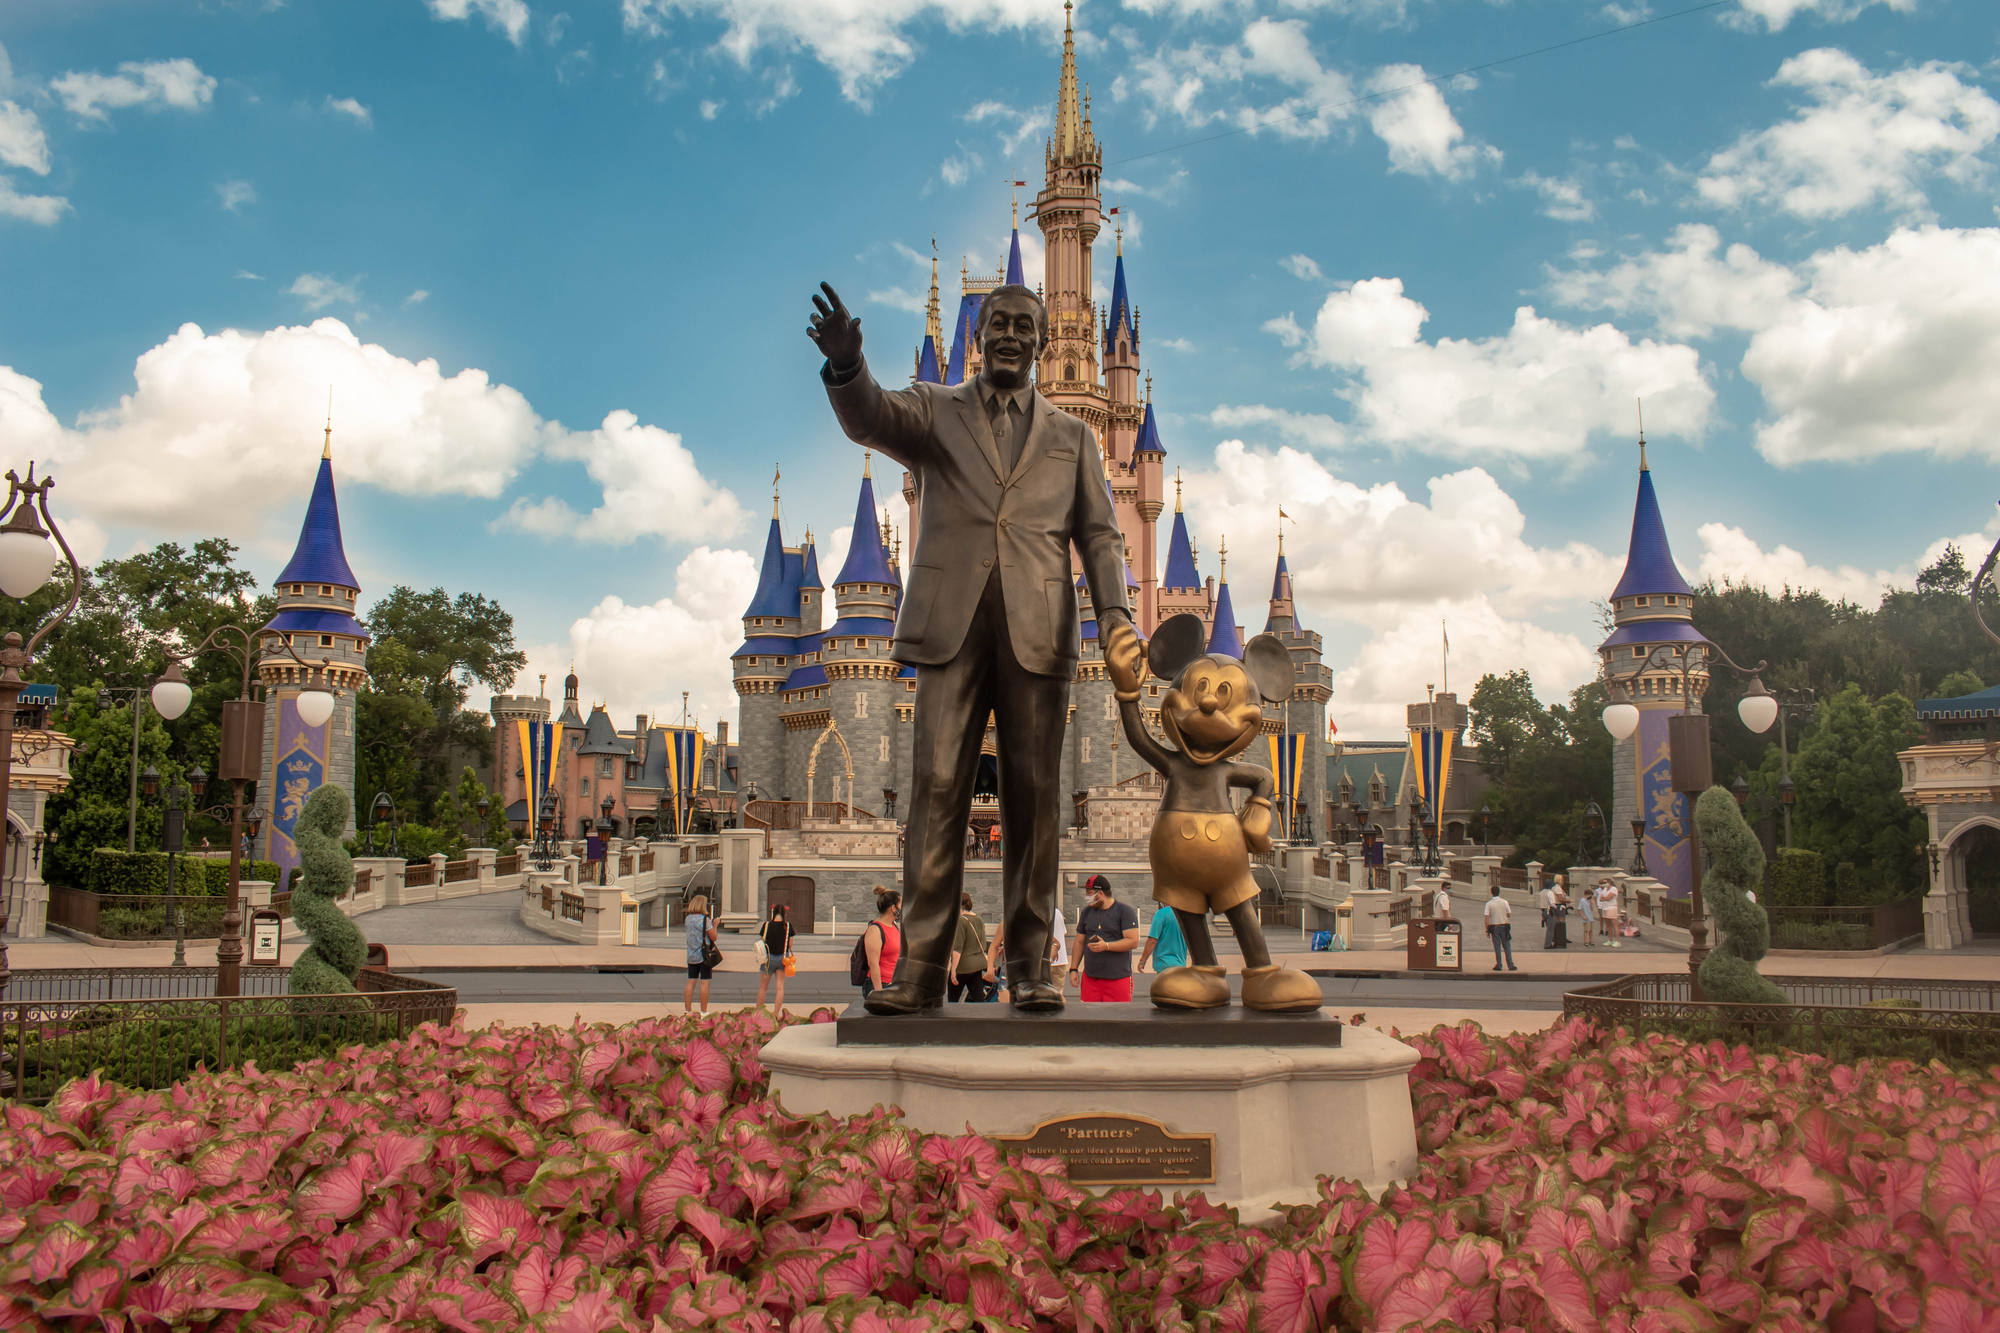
1120, 1150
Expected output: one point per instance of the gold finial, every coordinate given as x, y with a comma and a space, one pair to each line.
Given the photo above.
867, 464
326, 450
1642, 436
1223, 551
542, 690
1149, 402
775, 474
1177, 477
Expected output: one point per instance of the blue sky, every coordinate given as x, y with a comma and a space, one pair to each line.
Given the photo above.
554, 264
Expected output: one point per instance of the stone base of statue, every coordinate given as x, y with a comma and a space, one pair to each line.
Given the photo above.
1248, 1109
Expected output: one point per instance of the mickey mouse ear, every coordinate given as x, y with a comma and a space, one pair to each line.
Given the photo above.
1265, 658
1178, 641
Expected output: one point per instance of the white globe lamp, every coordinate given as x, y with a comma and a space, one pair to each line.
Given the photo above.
171, 694
1759, 708
1621, 720
315, 707
27, 556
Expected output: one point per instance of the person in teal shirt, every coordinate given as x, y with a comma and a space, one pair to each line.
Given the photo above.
1164, 937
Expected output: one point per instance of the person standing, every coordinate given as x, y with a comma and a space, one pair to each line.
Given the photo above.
882, 941
1500, 929
1441, 903
700, 935
777, 938
1586, 905
998, 969
593, 859
1546, 900
1164, 940
968, 957
1607, 910
1107, 933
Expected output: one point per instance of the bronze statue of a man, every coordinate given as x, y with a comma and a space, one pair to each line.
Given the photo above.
1006, 482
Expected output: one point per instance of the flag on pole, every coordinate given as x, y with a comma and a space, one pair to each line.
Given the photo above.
1288, 756
539, 742
1021, 184
684, 751
1432, 747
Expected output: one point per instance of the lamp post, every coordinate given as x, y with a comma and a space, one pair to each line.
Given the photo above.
1593, 820
382, 808
27, 562
136, 692
1639, 848
545, 831
1759, 708
240, 761
1688, 750
1485, 823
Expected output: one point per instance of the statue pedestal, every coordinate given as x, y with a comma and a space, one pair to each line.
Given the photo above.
1247, 1109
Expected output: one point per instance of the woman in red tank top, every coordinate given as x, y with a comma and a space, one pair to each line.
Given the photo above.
883, 940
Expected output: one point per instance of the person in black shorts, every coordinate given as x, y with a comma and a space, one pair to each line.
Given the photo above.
777, 937
700, 934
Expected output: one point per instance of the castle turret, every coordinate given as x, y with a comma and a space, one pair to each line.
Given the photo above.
1225, 637
930, 356
1652, 609
317, 594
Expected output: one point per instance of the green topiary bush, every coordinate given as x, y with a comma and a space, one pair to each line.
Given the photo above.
114, 871
1847, 889
1798, 879
338, 950
1841, 935
1729, 974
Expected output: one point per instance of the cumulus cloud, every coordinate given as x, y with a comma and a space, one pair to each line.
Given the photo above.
651, 483
1690, 289
1732, 555
1864, 139
1375, 569
1775, 14
220, 427
863, 42
44, 209
1302, 267
1540, 390
505, 16
317, 291
637, 657
1417, 126
22, 143
958, 168
1308, 428
1015, 127
417, 297
151, 85
235, 194
347, 106
1562, 197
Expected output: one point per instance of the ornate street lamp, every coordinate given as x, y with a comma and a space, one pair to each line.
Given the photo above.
1639, 848
1485, 821
1759, 709
1593, 820
382, 809
27, 561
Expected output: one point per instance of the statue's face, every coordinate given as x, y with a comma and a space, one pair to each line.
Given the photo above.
1010, 337
1213, 710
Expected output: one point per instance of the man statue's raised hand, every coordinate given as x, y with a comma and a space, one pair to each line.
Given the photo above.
835, 332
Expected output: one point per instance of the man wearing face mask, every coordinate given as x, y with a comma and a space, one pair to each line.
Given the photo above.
1006, 482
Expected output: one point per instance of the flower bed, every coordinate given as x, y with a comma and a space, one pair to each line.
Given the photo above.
592, 1179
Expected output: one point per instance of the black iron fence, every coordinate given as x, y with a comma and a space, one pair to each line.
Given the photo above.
1857, 928
134, 916
151, 1027
1842, 1018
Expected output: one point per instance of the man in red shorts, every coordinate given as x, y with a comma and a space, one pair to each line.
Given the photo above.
1107, 932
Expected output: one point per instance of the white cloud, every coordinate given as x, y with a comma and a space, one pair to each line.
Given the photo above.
1775, 14
710, 109
1691, 289
317, 291
347, 106
863, 42
1308, 428
45, 209
1731, 555
1171, 344
221, 429
1373, 564
1864, 139
245, 275
636, 658
22, 143
1177, 81
508, 16
1421, 133
235, 194
1014, 127
1540, 390
651, 483
150, 85
958, 168
417, 297
1302, 267
1562, 197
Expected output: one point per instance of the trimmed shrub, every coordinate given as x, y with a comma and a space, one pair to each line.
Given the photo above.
1819, 935
1798, 879
1847, 890
118, 872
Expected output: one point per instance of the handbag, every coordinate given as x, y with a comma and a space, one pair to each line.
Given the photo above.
791, 965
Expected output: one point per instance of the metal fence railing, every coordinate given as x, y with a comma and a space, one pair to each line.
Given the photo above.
646, 861
133, 916
1876, 926
507, 865
457, 872
572, 908
1848, 1018
1399, 912
1461, 871
151, 1027
418, 873
1675, 912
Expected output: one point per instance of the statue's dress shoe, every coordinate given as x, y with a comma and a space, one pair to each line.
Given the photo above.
1280, 990
1191, 988
918, 987
1038, 997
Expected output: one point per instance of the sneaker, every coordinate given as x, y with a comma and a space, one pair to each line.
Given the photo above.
1512, 968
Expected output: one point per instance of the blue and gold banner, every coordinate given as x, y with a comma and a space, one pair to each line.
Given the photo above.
1432, 749
1288, 757
685, 746
302, 762
539, 742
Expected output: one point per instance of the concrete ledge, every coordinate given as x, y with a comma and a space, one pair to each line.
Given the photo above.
1280, 1118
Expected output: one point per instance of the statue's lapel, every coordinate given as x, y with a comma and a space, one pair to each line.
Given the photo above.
1038, 434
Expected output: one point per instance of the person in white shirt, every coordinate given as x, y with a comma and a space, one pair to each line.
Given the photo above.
1607, 910
1500, 929
1441, 903
1546, 900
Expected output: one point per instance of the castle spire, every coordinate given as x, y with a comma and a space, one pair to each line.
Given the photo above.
1649, 561
931, 356
1015, 276
1069, 117
320, 556
326, 450
867, 556
1224, 640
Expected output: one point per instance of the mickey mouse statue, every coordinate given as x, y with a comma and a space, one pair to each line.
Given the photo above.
1200, 847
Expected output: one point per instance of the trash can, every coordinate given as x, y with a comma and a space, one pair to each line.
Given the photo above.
1343, 923
1434, 945
628, 919
267, 934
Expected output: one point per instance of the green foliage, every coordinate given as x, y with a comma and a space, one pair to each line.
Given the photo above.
1547, 765
1847, 888
459, 811
1798, 879
329, 964
1820, 935
1729, 974
1850, 790
1958, 684
91, 812
201, 919
420, 842
112, 870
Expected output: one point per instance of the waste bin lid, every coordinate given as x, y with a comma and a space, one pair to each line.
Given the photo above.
628, 902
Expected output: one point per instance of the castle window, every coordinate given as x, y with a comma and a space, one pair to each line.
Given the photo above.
1638, 601
909, 687
325, 591
326, 641
1639, 650
753, 661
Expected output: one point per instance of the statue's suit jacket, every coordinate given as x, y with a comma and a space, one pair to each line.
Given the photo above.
974, 513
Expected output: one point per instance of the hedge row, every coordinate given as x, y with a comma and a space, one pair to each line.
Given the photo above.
145, 873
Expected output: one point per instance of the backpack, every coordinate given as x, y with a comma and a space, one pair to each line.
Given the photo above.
857, 964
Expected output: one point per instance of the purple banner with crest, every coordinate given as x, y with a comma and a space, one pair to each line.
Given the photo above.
1669, 843
302, 760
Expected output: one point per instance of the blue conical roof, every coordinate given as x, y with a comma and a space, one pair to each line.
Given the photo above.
1149, 435
808, 561
927, 363
1281, 593
1649, 564
1281, 582
320, 557
962, 337
1014, 275
1223, 641
866, 561
771, 592
1120, 314
1181, 572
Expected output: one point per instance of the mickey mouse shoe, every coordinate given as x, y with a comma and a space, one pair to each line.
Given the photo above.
1191, 988
1280, 990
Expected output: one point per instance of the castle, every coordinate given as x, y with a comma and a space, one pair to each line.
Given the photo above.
825, 706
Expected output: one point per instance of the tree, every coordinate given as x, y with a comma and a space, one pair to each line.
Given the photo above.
1505, 718
1548, 765
91, 812
1850, 790
1959, 684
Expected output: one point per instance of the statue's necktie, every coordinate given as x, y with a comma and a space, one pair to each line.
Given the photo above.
1007, 429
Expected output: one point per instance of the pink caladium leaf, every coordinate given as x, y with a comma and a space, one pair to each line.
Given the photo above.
1295, 1293
1962, 1190
544, 1281
706, 1067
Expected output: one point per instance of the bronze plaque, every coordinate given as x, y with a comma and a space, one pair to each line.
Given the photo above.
1120, 1150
